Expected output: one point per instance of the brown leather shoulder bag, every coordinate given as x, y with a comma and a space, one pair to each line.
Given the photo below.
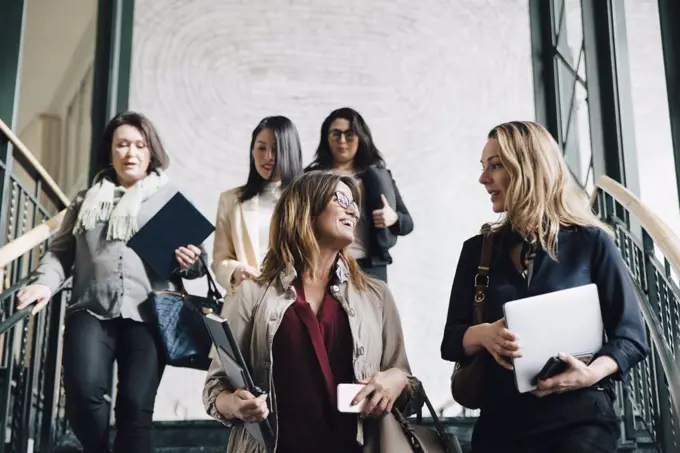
466, 382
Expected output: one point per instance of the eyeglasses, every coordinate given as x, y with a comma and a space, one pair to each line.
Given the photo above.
344, 202
350, 135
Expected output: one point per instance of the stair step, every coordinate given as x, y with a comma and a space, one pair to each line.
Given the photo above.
206, 433
192, 449
209, 436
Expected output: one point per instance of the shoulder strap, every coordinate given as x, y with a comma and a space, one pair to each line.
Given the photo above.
482, 277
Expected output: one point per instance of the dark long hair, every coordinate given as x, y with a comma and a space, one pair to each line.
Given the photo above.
367, 153
158, 157
287, 156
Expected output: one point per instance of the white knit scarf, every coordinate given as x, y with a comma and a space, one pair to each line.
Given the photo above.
106, 201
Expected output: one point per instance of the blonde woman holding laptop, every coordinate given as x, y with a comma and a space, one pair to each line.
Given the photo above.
547, 240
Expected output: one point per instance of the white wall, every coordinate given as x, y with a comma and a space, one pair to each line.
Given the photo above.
55, 88
52, 35
430, 77
654, 144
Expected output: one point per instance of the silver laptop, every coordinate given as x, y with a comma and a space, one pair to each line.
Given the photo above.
568, 321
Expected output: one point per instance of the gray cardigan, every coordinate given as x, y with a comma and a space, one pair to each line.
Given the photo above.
109, 278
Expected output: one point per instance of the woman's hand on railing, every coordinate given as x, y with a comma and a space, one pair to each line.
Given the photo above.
34, 293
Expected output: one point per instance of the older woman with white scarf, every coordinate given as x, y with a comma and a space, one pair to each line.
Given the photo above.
109, 317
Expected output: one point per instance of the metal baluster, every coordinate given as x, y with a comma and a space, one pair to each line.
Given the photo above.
52, 411
17, 443
6, 397
664, 430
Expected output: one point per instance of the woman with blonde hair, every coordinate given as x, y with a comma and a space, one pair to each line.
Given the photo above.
547, 240
309, 322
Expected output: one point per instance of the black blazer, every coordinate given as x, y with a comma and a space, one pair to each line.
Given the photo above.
379, 181
584, 255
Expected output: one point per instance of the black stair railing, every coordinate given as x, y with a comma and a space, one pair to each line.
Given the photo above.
650, 399
31, 394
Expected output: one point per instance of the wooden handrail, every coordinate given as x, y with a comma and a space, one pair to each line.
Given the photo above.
18, 144
30, 240
662, 235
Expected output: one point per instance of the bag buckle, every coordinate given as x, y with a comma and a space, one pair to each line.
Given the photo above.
486, 282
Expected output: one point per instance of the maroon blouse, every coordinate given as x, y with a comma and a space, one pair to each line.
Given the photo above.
312, 354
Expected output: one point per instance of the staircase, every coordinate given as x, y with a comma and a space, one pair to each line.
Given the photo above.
31, 392
208, 436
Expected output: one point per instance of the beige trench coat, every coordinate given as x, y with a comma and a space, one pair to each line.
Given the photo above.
254, 315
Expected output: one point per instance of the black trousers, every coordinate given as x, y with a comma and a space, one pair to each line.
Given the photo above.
378, 271
90, 348
584, 422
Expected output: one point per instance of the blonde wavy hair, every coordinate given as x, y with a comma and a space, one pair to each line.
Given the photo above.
543, 195
292, 234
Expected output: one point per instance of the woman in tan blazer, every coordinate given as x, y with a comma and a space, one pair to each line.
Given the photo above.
244, 213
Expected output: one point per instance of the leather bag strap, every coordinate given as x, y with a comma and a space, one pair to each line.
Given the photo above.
482, 276
439, 428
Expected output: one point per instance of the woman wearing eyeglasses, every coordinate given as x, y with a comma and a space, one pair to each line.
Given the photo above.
346, 146
309, 322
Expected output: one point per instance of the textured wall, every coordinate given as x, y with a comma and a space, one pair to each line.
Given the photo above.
431, 78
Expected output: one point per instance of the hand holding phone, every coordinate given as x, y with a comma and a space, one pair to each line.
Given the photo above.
555, 366
346, 393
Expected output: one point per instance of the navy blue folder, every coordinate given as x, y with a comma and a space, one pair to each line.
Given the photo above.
176, 224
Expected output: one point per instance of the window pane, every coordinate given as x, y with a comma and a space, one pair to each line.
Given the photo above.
658, 188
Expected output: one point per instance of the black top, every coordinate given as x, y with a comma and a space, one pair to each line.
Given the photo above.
377, 181
584, 255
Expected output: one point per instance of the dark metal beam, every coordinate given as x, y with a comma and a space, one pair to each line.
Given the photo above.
544, 66
11, 31
111, 90
669, 12
12, 18
555, 78
610, 105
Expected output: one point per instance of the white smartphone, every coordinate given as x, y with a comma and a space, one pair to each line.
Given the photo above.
346, 393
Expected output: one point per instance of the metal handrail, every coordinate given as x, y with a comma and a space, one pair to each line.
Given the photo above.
663, 236
18, 144
31, 239
18, 316
653, 391
669, 245
31, 390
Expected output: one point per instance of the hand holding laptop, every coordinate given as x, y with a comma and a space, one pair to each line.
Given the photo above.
499, 342
243, 405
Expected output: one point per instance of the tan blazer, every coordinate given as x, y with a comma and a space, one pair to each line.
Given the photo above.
256, 313
236, 237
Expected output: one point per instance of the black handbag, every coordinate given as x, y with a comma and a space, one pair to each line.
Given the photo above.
179, 318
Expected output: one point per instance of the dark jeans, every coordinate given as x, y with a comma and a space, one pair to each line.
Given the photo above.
90, 348
584, 422
379, 271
